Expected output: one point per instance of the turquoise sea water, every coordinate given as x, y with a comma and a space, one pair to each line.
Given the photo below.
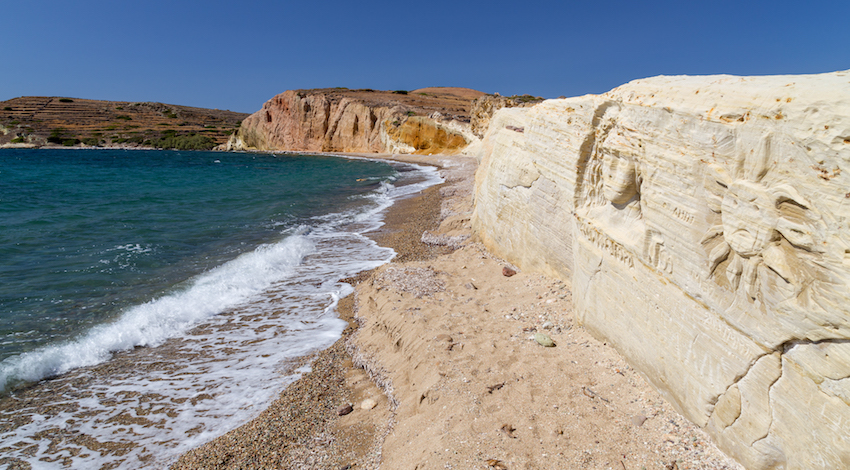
224, 266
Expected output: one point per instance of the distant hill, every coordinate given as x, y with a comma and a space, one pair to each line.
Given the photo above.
52, 121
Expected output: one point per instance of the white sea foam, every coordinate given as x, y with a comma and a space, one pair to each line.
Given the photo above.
132, 248
151, 323
235, 331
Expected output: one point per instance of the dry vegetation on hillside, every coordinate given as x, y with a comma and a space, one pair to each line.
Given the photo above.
41, 121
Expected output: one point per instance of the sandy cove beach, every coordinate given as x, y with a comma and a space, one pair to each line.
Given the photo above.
442, 368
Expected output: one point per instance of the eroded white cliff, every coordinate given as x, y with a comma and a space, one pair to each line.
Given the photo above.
703, 223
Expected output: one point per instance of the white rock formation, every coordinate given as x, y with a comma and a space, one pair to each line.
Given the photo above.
703, 223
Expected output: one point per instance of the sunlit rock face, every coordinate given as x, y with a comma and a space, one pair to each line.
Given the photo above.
297, 121
703, 223
328, 120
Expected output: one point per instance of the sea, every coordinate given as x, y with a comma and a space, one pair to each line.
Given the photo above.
151, 301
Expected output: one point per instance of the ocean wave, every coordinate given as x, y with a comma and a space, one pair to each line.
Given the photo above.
238, 328
153, 322
212, 292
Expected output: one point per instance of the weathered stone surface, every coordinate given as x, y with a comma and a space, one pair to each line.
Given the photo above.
423, 135
296, 121
703, 223
345, 409
484, 107
544, 340
334, 120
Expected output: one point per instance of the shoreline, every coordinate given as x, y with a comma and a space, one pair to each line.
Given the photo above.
463, 383
302, 428
139, 408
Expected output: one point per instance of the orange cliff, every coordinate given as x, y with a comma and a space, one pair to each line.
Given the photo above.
424, 121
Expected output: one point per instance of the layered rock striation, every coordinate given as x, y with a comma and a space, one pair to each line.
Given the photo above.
703, 223
426, 121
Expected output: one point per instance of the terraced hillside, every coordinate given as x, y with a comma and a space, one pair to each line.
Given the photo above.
51, 121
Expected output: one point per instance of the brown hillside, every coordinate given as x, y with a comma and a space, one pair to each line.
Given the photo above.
452, 103
467, 94
48, 121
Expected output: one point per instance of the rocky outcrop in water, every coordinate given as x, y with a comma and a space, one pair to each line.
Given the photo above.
434, 120
703, 223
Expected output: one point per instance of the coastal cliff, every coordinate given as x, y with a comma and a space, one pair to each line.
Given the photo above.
484, 107
425, 121
703, 225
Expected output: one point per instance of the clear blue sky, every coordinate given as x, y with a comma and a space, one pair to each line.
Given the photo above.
238, 54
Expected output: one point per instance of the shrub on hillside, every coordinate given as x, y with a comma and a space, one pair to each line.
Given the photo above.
184, 142
56, 136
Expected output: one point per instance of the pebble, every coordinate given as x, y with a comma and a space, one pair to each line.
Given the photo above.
508, 272
544, 340
368, 404
548, 325
344, 410
638, 420
671, 438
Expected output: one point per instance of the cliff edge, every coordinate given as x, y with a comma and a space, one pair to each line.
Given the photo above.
424, 121
703, 225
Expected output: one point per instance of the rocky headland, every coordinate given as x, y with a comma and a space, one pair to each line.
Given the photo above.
427, 121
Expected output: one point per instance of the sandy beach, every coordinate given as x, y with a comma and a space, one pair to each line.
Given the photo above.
443, 365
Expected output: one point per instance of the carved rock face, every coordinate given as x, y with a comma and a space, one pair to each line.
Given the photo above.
619, 179
749, 218
728, 285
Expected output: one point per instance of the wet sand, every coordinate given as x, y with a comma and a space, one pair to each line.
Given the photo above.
302, 428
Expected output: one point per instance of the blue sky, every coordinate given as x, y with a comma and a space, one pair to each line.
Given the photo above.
238, 54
